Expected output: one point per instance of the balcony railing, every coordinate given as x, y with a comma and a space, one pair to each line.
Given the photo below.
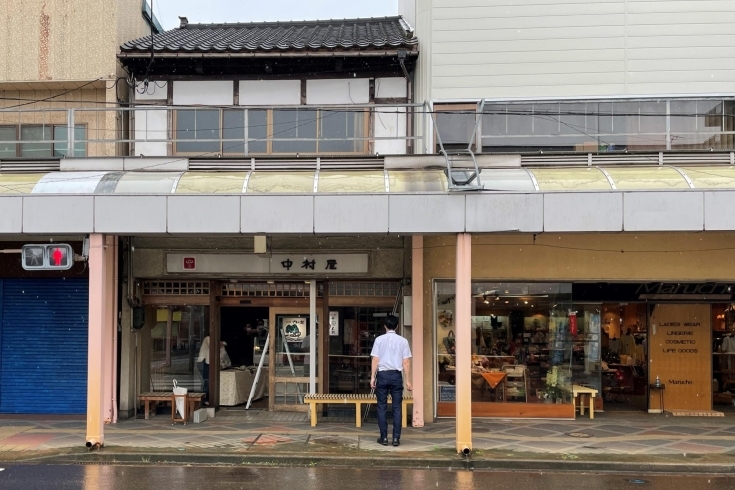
212, 132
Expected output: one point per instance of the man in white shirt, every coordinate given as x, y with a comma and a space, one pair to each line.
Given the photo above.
391, 358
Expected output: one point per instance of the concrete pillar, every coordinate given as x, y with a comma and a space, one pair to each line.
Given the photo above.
128, 357
463, 333
417, 328
101, 329
313, 337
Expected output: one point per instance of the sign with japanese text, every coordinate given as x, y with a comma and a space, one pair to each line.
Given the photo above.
296, 264
334, 323
294, 328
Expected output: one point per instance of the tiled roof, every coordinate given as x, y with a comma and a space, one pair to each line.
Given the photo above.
333, 35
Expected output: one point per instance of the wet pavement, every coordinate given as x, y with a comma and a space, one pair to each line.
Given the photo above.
629, 441
229, 478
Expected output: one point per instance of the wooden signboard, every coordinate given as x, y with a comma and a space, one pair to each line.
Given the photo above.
680, 355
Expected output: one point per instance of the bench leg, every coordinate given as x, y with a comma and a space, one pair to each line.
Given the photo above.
312, 409
147, 409
592, 406
358, 414
404, 415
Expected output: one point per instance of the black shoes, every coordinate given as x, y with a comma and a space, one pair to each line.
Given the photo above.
396, 442
383, 441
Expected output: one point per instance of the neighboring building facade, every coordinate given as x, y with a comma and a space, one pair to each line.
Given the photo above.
54, 56
621, 114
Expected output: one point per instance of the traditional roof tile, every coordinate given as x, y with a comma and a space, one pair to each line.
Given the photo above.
334, 35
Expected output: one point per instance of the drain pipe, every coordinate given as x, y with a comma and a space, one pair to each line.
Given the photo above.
466, 451
402, 54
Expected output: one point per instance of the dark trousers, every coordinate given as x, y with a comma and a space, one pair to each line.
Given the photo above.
204, 368
389, 382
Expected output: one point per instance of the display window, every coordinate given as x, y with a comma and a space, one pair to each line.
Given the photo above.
532, 343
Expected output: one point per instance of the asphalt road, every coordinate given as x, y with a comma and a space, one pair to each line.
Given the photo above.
31, 477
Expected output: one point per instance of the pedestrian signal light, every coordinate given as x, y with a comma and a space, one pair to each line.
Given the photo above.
58, 257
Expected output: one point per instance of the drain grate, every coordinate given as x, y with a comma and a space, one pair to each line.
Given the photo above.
637, 481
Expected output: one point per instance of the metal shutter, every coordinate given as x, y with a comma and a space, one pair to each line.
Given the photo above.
43, 345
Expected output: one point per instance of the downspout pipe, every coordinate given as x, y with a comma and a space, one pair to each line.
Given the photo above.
402, 54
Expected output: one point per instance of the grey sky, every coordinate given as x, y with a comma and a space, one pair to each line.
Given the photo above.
203, 11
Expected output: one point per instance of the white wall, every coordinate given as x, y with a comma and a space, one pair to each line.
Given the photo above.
388, 122
390, 88
342, 91
219, 92
270, 92
407, 8
155, 91
472, 49
152, 125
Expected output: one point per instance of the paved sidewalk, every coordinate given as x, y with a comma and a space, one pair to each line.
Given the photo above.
613, 436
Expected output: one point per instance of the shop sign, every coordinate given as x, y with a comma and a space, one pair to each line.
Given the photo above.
190, 263
296, 264
334, 323
661, 291
294, 328
680, 355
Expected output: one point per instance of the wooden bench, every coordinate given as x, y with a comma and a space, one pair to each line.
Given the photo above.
357, 400
194, 401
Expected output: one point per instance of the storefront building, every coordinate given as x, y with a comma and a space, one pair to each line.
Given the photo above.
187, 293
611, 312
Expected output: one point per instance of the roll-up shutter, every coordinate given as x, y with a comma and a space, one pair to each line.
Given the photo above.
43, 345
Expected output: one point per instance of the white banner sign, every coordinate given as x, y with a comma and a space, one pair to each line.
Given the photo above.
334, 323
296, 264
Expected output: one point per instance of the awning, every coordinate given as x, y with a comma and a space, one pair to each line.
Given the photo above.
542, 179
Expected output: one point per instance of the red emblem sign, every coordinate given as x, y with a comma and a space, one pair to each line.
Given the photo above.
190, 263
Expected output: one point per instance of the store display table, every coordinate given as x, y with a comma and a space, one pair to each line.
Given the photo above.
580, 391
235, 386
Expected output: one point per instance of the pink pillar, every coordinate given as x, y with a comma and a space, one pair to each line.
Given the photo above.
417, 328
108, 328
101, 330
463, 346
115, 282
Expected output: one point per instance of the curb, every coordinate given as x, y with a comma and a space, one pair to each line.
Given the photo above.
382, 462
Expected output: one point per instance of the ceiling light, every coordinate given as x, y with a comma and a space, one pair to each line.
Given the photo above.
506, 302
526, 302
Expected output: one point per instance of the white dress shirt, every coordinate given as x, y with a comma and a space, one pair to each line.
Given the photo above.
391, 349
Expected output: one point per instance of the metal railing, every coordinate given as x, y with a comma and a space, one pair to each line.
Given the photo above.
210, 131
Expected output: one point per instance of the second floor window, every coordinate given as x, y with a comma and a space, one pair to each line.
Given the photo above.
592, 126
235, 132
41, 141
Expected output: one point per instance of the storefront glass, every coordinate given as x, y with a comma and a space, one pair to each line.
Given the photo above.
523, 340
176, 334
353, 331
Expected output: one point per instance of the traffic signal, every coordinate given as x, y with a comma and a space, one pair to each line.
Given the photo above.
59, 257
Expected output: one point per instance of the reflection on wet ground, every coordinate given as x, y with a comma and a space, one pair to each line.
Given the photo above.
267, 478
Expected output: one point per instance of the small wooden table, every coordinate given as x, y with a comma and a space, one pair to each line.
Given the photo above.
357, 400
193, 401
580, 391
